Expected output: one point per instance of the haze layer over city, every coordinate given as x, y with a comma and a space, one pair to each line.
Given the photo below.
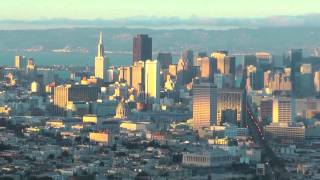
159, 89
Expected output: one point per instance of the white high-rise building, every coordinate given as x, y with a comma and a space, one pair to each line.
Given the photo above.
100, 65
282, 110
152, 79
204, 104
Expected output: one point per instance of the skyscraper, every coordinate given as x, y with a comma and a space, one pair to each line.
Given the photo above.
249, 60
73, 93
30, 64
138, 75
204, 104
187, 55
20, 62
264, 59
208, 66
230, 99
277, 81
184, 72
152, 80
110, 75
225, 64
165, 59
254, 78
125, 74
282, 110
99, 67
142, 47
305, 81
60, 100
266, 109
295, 58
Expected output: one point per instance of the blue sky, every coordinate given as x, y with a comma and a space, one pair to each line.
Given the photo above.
113, 9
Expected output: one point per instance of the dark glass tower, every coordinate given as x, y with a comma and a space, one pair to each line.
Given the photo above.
295, 58
142, 47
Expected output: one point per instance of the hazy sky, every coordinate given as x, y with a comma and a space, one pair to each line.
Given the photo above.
106, 9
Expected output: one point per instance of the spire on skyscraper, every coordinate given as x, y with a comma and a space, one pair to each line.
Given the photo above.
100, 66
100, 38
100, 47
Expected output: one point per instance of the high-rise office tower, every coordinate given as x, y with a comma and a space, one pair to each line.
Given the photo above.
230, 65
111, 74
280, 82
254, 78
278, 60
30, 65
224, 80
282, 110
208, 66
60, 100
165, 59
73, 93
267, 78
138, 75
249, 59
230, 99
125, 75
142, 47
83, 93
305, 81
204, 104
184, 74
20, 62
295, 58
187, 55
225, 64
277, 81
264, 58
99, 66
266, 109
152, 80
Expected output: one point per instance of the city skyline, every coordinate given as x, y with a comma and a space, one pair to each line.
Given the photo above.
114, 102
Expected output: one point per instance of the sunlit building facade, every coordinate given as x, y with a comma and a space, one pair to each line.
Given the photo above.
152, 79
230, 99
142, 47
99, 66
282, 110
204, 104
